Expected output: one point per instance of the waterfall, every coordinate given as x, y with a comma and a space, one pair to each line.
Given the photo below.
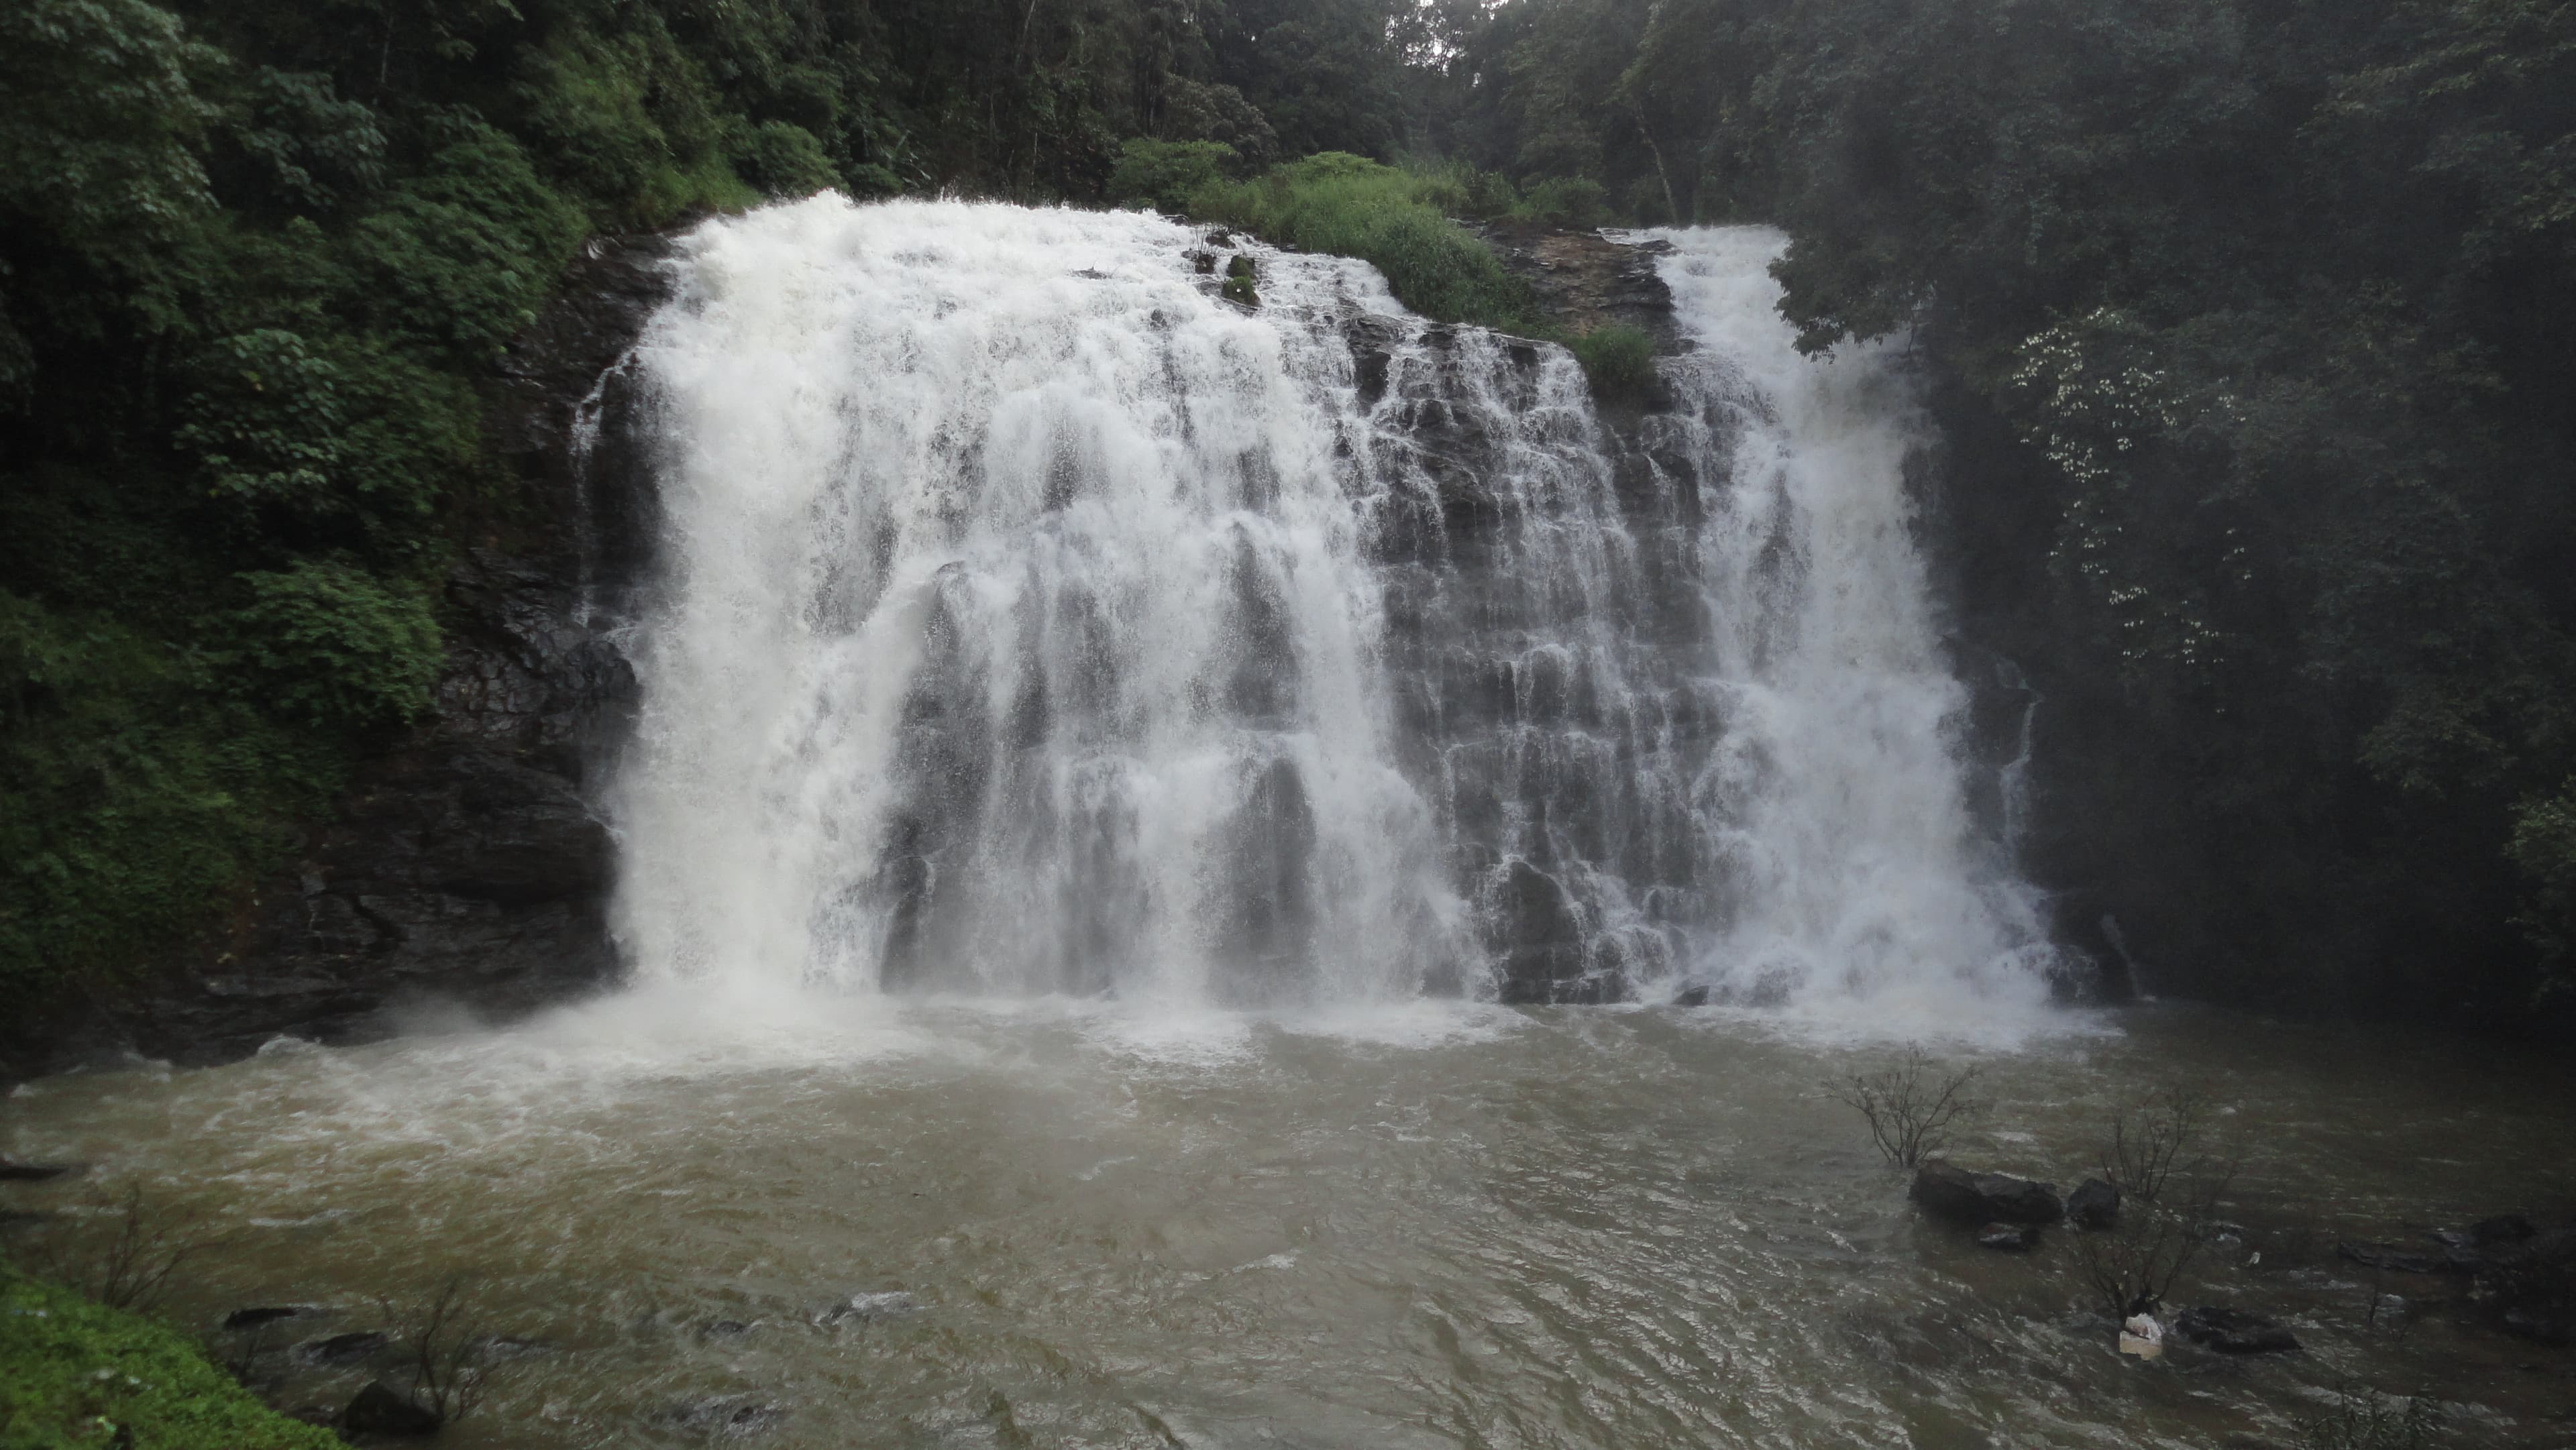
1033, 620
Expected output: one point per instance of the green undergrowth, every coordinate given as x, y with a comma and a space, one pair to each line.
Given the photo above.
1619, 360
1383, 215
75, 1373
1401, 220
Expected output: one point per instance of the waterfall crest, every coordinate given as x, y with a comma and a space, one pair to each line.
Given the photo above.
1032, 620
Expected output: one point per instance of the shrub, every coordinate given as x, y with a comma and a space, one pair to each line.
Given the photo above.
1166, 173
329, 645
1911, 1106
1336, 202
1568, 201
1619, 360
783, 160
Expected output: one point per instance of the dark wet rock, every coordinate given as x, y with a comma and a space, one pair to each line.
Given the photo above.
378, 1410
2529, 1288
870, 1308
1220, 238
1202, 263
2093, 1204
724, 1329
13, 1171
2233, 1331
1963, 1196
1538, 932
2012, 1238
261, 1316
339, 1351
1582, 280
2391, 1259
2488, 1233
724, 1416
1696, 996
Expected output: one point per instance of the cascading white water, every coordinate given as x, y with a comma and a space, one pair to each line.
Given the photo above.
1836, 788
1033, 620
1016, 635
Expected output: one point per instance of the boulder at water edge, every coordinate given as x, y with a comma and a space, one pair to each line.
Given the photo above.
379, 1411
2094, 1204
1982, 1198
2233, 1331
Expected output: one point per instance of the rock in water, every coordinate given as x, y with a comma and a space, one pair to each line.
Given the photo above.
266, 1314
870, 1308
2233, 1331
379, 1411
342, 1350
2009, 1237
2392, 1259
13, 1171
2142, 1336
2094, 1204
1982, 1198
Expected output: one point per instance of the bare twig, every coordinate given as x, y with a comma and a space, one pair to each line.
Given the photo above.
448, 1350
1910, 1107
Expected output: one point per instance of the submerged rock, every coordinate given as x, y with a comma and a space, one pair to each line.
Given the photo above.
2009, 1237
13, 1171
2530, 1287
379, 1411
724, 1416
2392, 1259
263, 1315
2233, 1331
2093, 1204
870, 1308
342, 1350
1963, 1196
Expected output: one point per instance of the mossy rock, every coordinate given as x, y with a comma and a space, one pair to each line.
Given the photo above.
77, 1373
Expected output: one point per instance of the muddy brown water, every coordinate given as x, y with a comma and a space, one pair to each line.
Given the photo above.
1432, 1226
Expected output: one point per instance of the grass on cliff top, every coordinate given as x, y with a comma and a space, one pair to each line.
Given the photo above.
74, 1373
1400, 221
1393, 219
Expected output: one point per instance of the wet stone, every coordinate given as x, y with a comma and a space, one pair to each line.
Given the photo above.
1968, 1197
342, 1350
378, 1410
2233, 1331
2094, 1204
728, 1417
261, 1316
870, 1308
2013, 1238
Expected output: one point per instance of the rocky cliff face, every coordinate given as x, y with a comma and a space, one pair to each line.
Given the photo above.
466, 869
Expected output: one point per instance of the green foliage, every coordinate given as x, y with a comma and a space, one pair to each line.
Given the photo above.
1618, 360
1338, 202
1165, 174
333, 646
1568, 201
783, 159
77, 1373
136, 786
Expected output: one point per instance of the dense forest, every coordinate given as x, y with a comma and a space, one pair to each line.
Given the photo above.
2245, 320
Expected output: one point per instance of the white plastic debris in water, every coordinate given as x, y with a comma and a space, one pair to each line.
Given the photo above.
2142, 1336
